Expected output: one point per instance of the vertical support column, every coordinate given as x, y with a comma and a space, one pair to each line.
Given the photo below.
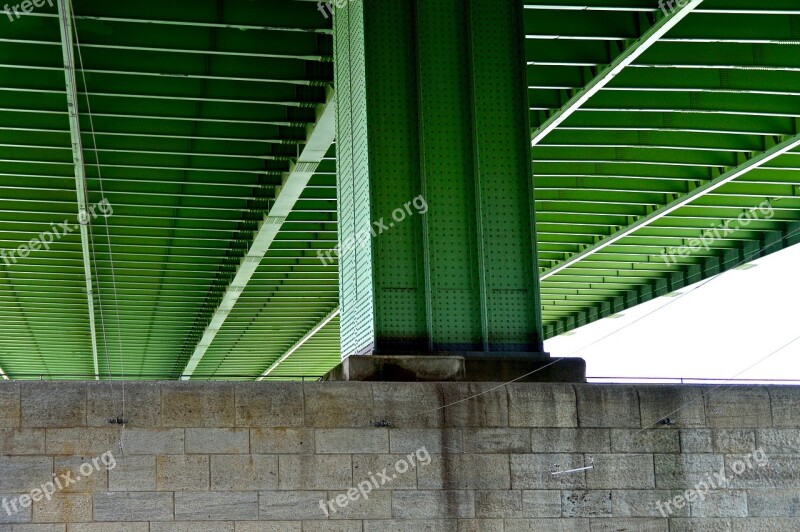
437, 243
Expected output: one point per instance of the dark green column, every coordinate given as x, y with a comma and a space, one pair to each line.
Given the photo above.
432, 108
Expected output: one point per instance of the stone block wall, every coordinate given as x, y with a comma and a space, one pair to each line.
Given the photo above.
386, 457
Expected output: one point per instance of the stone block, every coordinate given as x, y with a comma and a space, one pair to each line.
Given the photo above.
661, 440
268, 526
647, 503
407, 404
433, 440
759, 525
182, 473
584, 503
738, 407
480, 525
535, 471
377, 505
474, 405
541, 503
697, 441
615, 525
779, 441
339, 441
269, 404
433, 504
142, 403
497, 440
785, 401
84, 441
411, 525
311, 472
720, 503
681, 404
701, 525
53, 404
339, 405
773, 471
734, 441
683, 472
368, 466
10, 408
88, 476
188, 526
622, 471
542, 405
217, 441
282, 441
11, 511
22, 441
109, 527
253, 472
64, 508
22, 473
550, 525
154, 441
500, 504
133, 506
607, 406
549, 440
133, 473
292, 505
200, 404
332, 526
216, 506
465, 471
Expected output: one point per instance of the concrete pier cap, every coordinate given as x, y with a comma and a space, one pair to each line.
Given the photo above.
460, 367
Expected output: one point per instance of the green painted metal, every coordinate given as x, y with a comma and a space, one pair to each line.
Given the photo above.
432, 105
622, 181
199, 107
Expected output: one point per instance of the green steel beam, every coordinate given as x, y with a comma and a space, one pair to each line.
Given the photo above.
755, 162
620, 63
319, 140
300, 343
68, 54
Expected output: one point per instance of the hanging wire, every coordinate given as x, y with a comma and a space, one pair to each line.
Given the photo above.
123, 418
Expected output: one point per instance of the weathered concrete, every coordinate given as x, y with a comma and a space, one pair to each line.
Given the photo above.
244, 457
459, 367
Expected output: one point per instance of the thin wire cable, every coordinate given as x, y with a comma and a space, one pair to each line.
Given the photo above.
85, 219
105, 216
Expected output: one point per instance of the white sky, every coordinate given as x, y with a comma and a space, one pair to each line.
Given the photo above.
715, 331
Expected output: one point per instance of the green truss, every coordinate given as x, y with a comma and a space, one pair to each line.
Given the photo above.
643, 139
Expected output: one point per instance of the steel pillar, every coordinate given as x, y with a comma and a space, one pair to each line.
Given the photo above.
431, 101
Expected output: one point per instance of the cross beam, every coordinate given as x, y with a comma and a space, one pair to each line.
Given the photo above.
300, 343
622, 61
724, 178
319, 139
68, 53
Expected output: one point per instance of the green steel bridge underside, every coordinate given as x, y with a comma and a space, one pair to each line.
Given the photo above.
204, 130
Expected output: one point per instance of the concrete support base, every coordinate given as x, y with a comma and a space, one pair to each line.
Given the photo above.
461, 367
